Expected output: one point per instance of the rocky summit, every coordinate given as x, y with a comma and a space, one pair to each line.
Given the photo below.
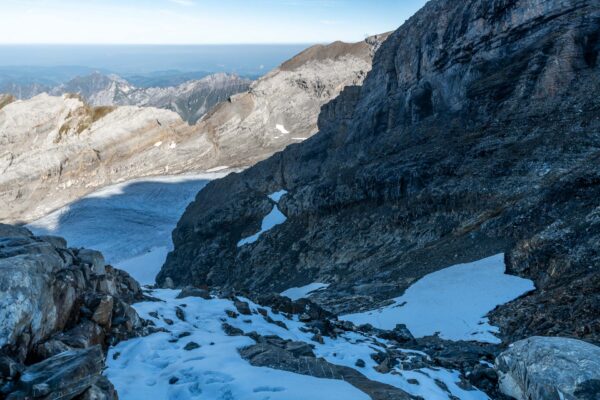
476, 133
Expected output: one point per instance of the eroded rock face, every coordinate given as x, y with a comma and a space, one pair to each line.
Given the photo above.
59, 309
54, 150
475, 133
550, 368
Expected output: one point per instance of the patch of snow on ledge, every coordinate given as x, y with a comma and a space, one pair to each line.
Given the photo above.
275, 217
452, 301
296, 293
217, 169
281, 129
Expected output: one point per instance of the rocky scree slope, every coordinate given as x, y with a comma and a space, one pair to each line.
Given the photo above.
54, 150
60, 309
476, 132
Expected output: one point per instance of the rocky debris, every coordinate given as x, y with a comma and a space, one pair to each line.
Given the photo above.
547, 368
472, 135
242, 307
58, 149
190, 291
191, 346
400, 334
59, 309
277, 353
63, 376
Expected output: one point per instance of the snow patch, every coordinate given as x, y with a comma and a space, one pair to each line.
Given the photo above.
299, 138
145, 267
296, 293
217, 169
275, 217
157, 144
452, 301
281, 129
141, 368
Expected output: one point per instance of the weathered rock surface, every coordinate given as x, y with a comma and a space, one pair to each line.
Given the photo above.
61, 377
59, 308
54, 150
274, 352
475, 133
550, 368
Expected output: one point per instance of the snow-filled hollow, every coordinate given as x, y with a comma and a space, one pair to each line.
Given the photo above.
452, 302
273, 218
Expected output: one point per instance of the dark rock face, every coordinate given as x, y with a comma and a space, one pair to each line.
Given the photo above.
476, 132
59, 309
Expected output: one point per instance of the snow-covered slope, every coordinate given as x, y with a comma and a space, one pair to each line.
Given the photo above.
159, 366
452, 302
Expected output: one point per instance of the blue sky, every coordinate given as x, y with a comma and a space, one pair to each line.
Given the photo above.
198, 21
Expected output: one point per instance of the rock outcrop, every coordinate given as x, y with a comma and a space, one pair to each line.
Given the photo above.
475, 133
59, 309
54, 150
550, 368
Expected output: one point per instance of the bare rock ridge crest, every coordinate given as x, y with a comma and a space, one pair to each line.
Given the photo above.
475, 133
54, 150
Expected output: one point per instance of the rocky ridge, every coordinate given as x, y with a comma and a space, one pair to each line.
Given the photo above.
57, 149
191, 100
472, 135
60, 309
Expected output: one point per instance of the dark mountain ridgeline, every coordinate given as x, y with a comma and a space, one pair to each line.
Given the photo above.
476, 132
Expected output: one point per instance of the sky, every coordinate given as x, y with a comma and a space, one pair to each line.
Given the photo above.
198, 21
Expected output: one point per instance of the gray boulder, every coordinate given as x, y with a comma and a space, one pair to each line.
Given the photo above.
62, 377
550, 368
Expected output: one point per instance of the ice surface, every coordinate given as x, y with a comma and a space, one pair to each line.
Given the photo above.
141, 368
128, 221
296, 293
452, 301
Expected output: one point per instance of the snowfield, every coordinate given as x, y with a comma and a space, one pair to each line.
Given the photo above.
452, 302
142, 368
130, 223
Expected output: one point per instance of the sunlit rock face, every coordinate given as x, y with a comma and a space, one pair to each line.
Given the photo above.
55, 149
473, 135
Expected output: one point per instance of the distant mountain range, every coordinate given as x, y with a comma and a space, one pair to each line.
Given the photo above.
55, 149
190, 99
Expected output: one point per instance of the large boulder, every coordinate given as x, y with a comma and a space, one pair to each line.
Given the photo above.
59, 308
550, 368
61, 377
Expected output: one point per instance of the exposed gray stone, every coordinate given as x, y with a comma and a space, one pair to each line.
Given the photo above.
550, 368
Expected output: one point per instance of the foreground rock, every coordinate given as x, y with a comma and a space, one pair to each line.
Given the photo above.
57, 149
279, 354
550, 368
59, 309
473, 135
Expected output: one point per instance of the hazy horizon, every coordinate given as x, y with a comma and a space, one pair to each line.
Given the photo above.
198, 22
